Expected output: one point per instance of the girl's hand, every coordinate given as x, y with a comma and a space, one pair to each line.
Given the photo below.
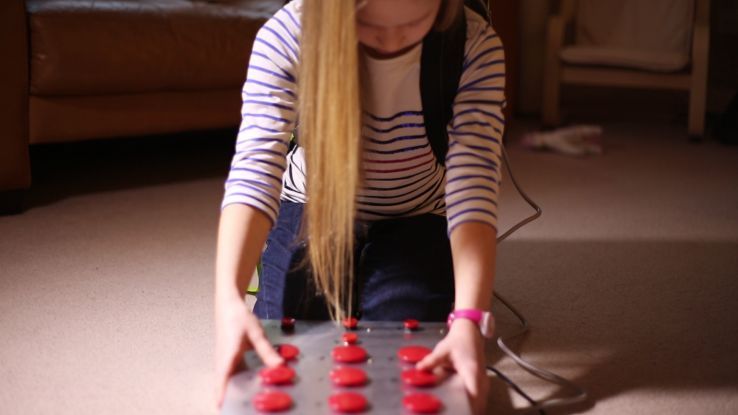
463, 350
236, 331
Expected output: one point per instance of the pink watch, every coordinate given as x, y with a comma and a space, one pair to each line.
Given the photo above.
483, 319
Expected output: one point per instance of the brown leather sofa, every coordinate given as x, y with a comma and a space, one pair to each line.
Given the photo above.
90, 69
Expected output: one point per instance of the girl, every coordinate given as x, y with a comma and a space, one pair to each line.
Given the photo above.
360, 216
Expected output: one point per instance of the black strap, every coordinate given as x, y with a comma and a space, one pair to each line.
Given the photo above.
442, 62
440, 72
479, 7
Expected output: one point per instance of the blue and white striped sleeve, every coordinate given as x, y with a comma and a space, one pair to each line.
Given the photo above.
268, 116
475, 133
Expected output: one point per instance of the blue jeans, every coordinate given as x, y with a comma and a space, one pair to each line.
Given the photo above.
403, 270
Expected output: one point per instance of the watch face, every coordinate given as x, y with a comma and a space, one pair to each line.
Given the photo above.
487, 325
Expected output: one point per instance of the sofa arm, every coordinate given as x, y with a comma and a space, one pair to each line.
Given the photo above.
15, 169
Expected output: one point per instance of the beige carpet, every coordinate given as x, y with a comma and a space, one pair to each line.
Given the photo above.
630, 279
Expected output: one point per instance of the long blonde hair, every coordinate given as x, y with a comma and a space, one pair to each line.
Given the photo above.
329, 108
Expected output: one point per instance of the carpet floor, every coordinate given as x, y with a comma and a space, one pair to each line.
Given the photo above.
629, 280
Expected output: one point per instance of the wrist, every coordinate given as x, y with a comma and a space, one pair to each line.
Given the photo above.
472, 299
481, 319
228, 295
463, 324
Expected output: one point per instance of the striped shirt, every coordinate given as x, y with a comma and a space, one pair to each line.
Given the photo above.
401, 174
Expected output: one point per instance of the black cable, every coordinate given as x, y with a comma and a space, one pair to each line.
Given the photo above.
515, 387
546, 375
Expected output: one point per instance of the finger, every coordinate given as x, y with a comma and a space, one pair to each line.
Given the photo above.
261, 345
224, 373
481, 403
220, 387
218, 395
228, 362
258, 341
443, 372
439, 357
469, 373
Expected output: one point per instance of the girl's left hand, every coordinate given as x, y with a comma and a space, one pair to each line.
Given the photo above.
463, 350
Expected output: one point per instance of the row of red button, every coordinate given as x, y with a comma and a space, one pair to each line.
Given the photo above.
352, 323
348, 376
277, 401
345, 402
417, 402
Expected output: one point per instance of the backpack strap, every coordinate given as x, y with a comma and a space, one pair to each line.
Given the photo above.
441, 65
441, 62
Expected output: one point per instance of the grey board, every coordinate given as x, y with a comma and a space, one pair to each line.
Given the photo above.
312, 387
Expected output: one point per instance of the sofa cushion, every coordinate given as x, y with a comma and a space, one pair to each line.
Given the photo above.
70, 118
101, 47
626, 58
653, 35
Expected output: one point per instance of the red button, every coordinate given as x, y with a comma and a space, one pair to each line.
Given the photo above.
348, 376
350, 323
413, 354
415, 377
277, 375
347, 402
412, 324
288, 351
271, 401
288, 323
349, 354
350, 338
421, 403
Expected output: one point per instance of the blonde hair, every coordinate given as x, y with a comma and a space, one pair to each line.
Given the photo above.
447, 14
329, 108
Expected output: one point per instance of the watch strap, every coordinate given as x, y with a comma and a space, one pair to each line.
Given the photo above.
480, 317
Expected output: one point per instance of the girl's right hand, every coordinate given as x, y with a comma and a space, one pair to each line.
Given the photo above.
237, 330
